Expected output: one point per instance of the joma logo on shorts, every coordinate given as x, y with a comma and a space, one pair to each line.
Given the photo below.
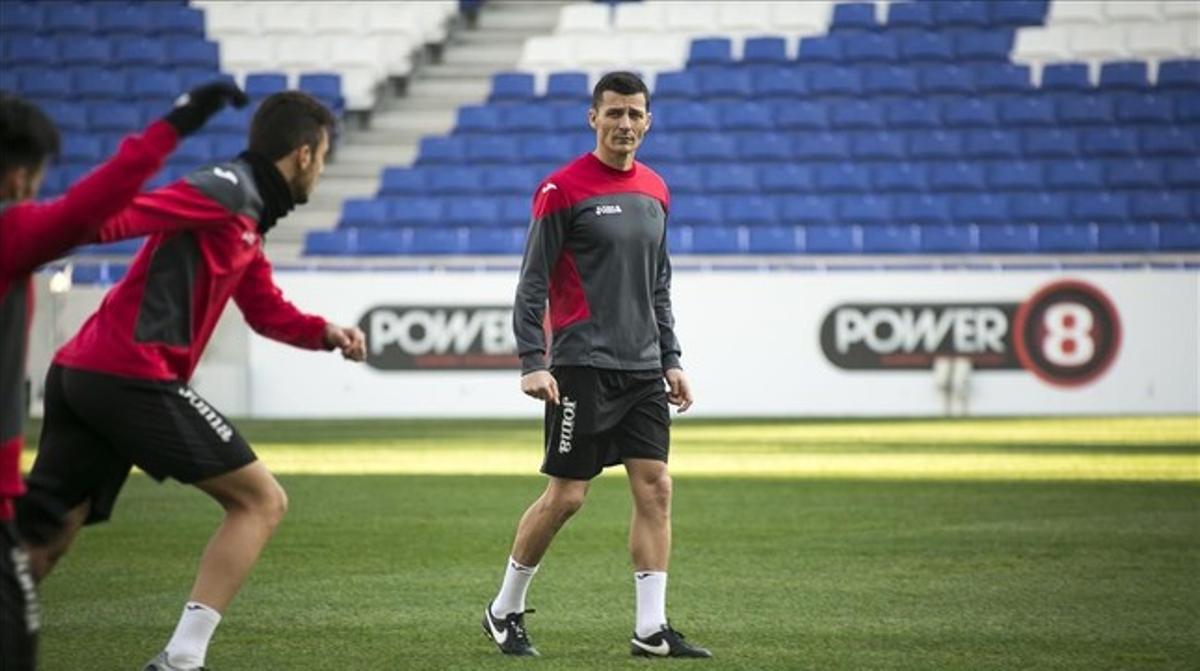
568, 425
608, 209
218, 424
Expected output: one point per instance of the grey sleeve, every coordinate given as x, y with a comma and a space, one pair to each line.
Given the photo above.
668, 344
542, 247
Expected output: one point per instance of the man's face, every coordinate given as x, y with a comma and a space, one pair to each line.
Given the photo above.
310, 165
621, 121
23, 183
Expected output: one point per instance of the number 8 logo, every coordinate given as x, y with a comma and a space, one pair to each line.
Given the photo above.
1067, 334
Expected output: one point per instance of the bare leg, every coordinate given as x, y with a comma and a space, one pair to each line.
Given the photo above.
43, 558
562, 499
650, 529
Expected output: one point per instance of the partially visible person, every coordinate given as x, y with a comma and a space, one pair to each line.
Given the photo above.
31, 234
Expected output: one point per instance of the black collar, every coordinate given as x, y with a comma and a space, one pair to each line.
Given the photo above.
272, 187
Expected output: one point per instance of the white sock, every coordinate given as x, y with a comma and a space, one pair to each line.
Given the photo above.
651, 601
189, 643
511, 598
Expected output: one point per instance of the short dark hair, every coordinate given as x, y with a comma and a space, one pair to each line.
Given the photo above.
287, 120
622, 82
27, 136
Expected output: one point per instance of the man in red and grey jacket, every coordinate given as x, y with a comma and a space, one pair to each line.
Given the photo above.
33, 233
117, 394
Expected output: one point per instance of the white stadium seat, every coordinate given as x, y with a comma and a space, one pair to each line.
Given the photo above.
301, 53
1098, 43
391, 18
1157, 41
639, 17
1076, 11
801, 18
661, 52
285, 18
691, 17
243, 53
339, 18
1041, 45
601, 52
1182, 9
231, 18
751, 16
584, 18
359, 86
1140, 10
548, 52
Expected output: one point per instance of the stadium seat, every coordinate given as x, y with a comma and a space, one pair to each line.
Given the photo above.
887, 80
1066, 77
993, 144
949, 239
1160, 206
786, 178
1102, 206
1050, 143
45, 84
900, 177
843, 177
1127, 75
1018, 12
681, 179
1145, 109
512, 86
681, 85
835, 81
1039, 207
871, 48
774, 83
1014, 175
1179, 74
746, 117
450, 180
691, 117
696, 211
723, 84
879, 145
856, 114
382, 243
478, 212
329, 243
751, 211
415, 211
708, 147
176, 20
759, 50
1139, 173
549, 149
710, 51
363, 213
806, 209
504, 240
139, 53
935, 144
729, 178
913, 114
1179, 237
526, 118
1168, 141
114, 118
1127, 237
193, 52
979, 208
1003, 78
568, 86
262, 84
659, 148
1184, 173
983, 45
756, 147
1007, 238
21, 18
890, 239
1085, 109
913, 15
971, 112
715, 240
853, 16
773, 240
1074, 175
927, 47
820, 146
84, 51
824, 49
69, 18
77, 148
947, 79
1110, 142
510, 180
442, 150
833, 239
865, 209
801, 115
164, 86
1067, 238
403, 182
30, 50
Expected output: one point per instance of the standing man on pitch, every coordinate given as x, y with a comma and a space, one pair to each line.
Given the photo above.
597, 250
34, 233
117, 394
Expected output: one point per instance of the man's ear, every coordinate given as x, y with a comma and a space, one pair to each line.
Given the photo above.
304, 157
649, 120
592, 117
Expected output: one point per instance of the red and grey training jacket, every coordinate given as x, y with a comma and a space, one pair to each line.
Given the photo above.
33, 233
597, 250
204, 248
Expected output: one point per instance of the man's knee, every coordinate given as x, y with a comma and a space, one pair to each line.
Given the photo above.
654, 490
564, 500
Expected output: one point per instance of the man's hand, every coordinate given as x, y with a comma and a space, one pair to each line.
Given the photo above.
680, 393
197, 106
349, 339
540, 384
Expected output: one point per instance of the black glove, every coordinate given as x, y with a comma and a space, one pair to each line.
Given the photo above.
197, 106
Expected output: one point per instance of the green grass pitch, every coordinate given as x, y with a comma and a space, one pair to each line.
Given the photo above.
1000, 544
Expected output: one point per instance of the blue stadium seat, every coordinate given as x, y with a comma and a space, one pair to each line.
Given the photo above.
526, 118
910, 15
913, 114
1110, 142
1018, 12
1160, 206
30, 50
690, 116
1003, 78
979, 208
843, 177
881, 80
324, 86
890, 239
477, 212
900, 177
1187, 108
452, 180
948, 239
1066, 77
679, 239
477, 119
115, 118
983, 45
871, 48
935, 144
79, 148
84, 51
329, 243
1076, 238
225, 146
680, 178
695, 211
853, 16
764, 50
262, 84
1030, 110
568, 86
771, 83
947, 79
1039, 207
1130, 75
159, 85
45, 84
1007, 238
729, 178
363, 213
193, 77
129, 247
879, 145
1145, 109
504, 240
146, 53
824, 49
403, 182
176, 20
661, 148
835, 81
66, 116
801, 115
786, 178
681, 85
773, 240
509, 180
197, 53
1184, 173
21, 18
715, 240
865, 209
1085, 109
1179, 74
1050, 143
756, 147
856, 114
806, 209
1100, 206
69, 18
1127, 238
710, 51
550, 149
512, 86
833, 239
971, 112
1138, 173
993, 144
1168, 141
441, 150
743, 116
820, 146
1179, 237
927, 47
382, 243
961, 13
1014, 176
514, 210
415, 211
957, 176
753, 211
193, 152
1075, 175
706, 147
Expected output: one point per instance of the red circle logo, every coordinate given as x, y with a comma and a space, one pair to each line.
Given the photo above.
1067, 333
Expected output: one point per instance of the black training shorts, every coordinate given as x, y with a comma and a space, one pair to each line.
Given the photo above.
97, 426
604, 416
19, 614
